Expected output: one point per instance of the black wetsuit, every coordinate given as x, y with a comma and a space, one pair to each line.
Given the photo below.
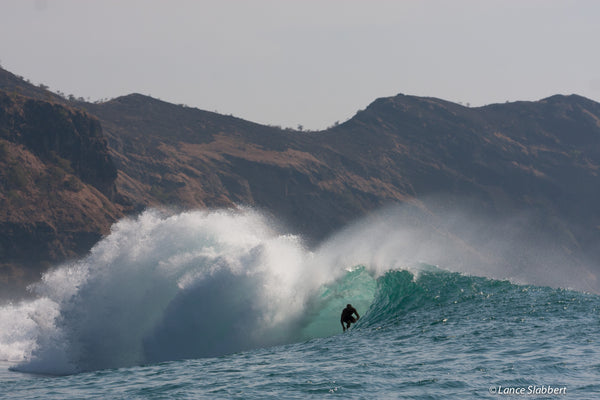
347, 317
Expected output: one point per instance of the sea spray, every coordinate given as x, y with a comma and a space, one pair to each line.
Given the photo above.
172, 286
22, 324
168, 286
403, 236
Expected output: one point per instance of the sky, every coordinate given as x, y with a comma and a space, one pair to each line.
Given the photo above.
304, 62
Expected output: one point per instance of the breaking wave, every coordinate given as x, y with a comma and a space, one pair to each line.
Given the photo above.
206, 283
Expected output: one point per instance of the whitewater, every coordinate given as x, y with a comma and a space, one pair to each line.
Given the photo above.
222, 304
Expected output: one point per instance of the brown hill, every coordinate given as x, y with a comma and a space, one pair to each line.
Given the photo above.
536, 155
168, 154
57, 190
541, 157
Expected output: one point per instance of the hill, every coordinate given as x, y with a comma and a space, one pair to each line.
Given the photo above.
57, 190
541, 158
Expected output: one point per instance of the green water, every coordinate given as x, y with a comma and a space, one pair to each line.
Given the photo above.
439, 335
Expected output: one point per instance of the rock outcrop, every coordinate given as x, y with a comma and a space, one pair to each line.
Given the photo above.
57, 186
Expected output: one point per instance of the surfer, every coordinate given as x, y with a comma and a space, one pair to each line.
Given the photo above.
347, 317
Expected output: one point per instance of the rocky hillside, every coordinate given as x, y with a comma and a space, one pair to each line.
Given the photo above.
168, 154
541, 157
57, 186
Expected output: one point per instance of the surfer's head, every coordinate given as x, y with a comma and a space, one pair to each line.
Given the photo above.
348, 305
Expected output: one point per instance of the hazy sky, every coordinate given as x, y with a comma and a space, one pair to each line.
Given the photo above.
306, 62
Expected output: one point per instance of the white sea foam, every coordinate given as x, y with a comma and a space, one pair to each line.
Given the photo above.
163, 287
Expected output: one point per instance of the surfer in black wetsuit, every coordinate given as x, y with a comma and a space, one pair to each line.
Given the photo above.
347, 317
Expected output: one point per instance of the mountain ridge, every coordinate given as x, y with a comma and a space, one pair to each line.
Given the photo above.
498, 159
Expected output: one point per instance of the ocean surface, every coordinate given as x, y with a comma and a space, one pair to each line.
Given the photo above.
219, 305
